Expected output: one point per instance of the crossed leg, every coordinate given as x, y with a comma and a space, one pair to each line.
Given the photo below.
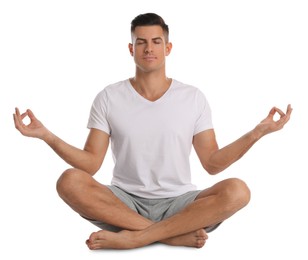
95, 201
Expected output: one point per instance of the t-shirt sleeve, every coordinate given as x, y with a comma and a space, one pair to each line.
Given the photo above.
204, 114
99, 113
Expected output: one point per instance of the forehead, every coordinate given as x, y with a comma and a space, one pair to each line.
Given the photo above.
148, 32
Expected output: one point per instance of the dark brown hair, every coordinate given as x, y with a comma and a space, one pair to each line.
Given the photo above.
148, 19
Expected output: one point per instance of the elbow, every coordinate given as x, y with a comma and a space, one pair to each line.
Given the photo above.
214, 166
92, 172
212, 170
93, 169
92, 165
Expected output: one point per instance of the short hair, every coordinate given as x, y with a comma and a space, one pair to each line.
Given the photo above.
149, 19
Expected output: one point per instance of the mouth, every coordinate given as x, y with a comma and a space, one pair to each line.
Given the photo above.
149, 58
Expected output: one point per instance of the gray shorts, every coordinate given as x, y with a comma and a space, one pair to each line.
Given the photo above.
153, 209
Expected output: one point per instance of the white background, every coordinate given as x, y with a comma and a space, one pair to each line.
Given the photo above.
246, 56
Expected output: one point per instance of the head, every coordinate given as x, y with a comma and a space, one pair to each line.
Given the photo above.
150, 41
149, 19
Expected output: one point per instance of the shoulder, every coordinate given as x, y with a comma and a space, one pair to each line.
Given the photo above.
113, 89
187, 89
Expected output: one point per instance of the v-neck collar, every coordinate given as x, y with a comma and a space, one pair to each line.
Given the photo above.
134, 91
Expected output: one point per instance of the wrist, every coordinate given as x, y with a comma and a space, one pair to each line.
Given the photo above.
256, 133
48, 137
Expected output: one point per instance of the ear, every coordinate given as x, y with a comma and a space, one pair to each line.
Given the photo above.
168, 48
131, 49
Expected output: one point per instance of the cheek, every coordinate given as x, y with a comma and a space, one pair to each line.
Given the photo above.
138, 51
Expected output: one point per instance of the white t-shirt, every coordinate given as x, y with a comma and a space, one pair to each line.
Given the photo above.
151, 141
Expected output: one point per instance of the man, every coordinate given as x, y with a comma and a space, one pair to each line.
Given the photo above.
152, 122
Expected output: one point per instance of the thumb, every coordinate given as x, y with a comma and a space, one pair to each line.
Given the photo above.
272, 112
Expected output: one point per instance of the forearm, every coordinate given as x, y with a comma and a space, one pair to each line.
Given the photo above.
75, 157
224, 157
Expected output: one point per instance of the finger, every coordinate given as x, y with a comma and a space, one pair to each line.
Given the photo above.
20, 116
271, 113
283, 120
289, 110
23, 115
31, 115
279, 111
17, 111
18, 123
17, 117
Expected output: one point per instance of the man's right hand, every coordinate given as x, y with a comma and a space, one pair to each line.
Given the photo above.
34, 129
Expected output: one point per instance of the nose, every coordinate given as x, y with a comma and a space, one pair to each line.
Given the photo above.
148, 48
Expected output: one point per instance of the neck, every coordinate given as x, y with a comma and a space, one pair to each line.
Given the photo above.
151, 86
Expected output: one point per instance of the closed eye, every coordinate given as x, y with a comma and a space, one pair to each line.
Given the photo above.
139, 42
157, 41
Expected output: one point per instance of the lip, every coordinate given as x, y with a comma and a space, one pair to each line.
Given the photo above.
149, 58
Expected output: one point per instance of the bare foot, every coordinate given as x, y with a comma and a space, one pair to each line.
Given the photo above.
124, 239
104, 239
194, 239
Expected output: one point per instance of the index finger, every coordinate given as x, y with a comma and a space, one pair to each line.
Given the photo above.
279, 111
285, 117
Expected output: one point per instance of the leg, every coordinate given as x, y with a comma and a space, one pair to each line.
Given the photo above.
212, 206
93, 200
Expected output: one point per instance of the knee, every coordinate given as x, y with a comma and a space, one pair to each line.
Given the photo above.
68, 181
237, 192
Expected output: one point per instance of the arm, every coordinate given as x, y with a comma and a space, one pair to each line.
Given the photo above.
89, 159
215, 160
